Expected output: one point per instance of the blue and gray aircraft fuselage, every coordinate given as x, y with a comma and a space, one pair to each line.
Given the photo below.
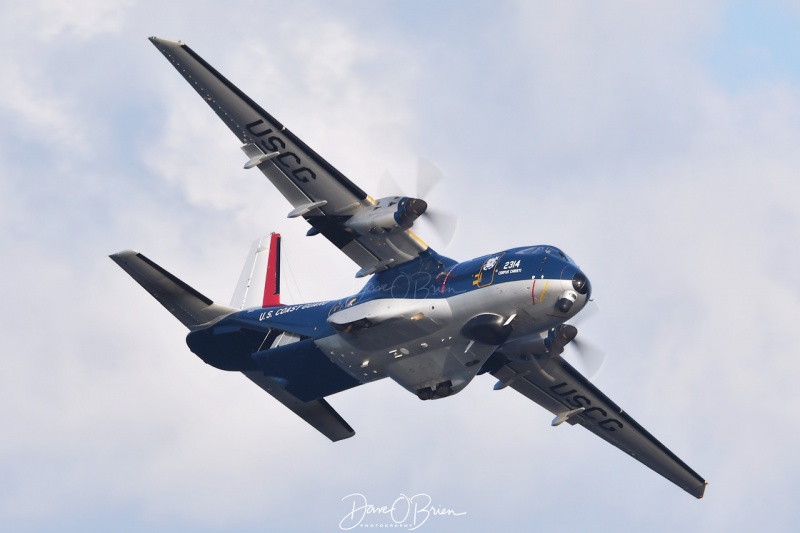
431, 324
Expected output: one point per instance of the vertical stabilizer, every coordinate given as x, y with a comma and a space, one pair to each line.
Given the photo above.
259, 283
272, 283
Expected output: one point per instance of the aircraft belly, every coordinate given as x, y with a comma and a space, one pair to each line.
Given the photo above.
418, 343
457, 362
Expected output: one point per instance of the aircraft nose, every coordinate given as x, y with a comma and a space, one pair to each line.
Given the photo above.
581, 284
575, 284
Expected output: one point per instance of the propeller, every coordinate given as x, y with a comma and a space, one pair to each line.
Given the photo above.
591, 357
429, 176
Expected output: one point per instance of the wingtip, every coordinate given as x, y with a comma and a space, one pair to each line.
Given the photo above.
123, 254
698, 493
159, 41
703, 491
342, 437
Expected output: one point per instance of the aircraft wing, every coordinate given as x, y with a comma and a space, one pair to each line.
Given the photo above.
317, 191
558, 387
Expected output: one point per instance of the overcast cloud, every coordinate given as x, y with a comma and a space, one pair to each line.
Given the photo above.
655, 143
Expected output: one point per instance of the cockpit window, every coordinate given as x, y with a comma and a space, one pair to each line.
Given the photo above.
555, 251
550, 250
532, 250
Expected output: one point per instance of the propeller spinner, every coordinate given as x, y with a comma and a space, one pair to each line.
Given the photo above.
429, 176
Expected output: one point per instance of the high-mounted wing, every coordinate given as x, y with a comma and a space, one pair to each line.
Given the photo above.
331, 203
555, 385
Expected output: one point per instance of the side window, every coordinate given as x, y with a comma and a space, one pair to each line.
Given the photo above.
285, 338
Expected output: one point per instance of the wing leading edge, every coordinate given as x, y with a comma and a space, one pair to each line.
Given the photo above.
558, 387
317, 191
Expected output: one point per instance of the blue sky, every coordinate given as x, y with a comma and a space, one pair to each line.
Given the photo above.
756, 45
656, 144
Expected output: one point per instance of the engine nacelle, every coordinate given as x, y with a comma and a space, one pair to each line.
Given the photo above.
389, 214
525, 348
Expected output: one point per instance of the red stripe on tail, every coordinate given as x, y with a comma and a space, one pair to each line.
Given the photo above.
272, 286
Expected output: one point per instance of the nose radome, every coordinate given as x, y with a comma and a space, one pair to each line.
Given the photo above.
567, 273
580, 283
575, 284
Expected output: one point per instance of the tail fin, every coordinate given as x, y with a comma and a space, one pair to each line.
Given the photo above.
189, 306
272, 285
249, 291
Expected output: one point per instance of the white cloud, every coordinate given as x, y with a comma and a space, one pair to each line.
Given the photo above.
36, 112
83, 20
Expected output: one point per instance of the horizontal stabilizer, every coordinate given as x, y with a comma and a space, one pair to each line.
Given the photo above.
318, 413
189, 306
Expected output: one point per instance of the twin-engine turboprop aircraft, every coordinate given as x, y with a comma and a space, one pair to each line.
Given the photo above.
424, 320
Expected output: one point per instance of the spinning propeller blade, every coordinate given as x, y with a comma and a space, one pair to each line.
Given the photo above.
592, 358
428, 176
442, 223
